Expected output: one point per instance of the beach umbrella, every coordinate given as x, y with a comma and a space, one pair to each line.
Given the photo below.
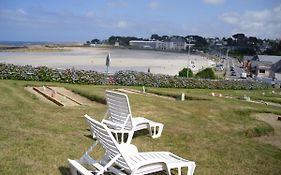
107, 62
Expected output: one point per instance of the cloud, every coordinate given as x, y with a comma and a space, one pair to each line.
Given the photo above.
122, 24
264, 23
213, 2
117, 4
21, 11
277, 11
230, 18
153, 4
90, 14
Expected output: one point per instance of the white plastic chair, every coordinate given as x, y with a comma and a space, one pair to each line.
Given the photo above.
125, 159
120, 121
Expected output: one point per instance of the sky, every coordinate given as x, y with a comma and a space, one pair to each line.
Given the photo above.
81, 20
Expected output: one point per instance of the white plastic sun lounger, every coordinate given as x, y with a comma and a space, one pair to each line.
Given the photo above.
124, 159
120, 121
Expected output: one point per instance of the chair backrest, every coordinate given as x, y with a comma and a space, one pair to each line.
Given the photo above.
108, 142
119, 110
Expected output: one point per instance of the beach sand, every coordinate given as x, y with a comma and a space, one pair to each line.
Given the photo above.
121, 59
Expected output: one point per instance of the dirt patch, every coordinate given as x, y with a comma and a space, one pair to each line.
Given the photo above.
271, 119
59, 96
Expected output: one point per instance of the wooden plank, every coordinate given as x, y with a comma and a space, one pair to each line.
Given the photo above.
64, 96
48, 97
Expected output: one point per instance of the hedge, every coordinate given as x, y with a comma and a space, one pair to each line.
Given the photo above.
124, 78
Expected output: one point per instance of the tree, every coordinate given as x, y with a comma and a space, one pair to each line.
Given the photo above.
123, 40
274, 49
164, 37
207, 73
95, 41
155, 37
253, 40
199, 42
112, 40
241, 39
239, 36
230, 42
182, 73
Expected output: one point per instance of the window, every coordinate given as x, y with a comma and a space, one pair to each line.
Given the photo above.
262, 71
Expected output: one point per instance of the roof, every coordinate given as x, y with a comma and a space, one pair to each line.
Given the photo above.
176, 39
142, 41
248, 58
272, 58
261, 64
276, 67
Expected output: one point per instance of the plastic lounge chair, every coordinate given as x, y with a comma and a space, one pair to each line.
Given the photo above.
119, 119
124, 159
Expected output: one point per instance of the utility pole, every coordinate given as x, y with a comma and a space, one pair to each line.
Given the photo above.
227, 51
220, 47
188, 55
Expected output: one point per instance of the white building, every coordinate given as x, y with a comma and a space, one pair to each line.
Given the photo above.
174, 43
147, 44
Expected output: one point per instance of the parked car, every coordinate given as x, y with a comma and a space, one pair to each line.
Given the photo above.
219, 67
243, 75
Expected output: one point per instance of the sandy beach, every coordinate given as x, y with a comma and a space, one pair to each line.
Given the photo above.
121, 59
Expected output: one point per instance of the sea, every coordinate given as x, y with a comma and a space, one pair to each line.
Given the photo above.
24, 43
29, 43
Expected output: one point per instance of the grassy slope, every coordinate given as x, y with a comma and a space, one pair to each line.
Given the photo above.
38, 137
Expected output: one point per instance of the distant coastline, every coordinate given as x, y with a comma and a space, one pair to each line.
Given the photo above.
31, 43
24, 43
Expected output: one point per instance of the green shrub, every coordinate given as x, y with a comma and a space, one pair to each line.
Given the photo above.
123, 78
207, 73
183, 72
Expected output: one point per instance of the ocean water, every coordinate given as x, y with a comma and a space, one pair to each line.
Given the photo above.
24, 43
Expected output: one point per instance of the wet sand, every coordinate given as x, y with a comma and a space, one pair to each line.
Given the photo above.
121, 59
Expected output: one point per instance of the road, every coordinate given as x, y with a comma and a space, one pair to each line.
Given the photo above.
235, 72
228, 62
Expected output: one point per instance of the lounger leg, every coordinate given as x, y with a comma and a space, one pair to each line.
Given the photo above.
156, 131
179, 170
122, 137
191, 167
160, 129
116, 136
168, 170
130, 137
73, 170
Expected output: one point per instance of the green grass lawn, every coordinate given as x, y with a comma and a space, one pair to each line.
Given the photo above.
38, 138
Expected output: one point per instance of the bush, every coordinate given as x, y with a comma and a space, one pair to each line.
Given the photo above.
131, 78
207, 73
183, 72
123, 78
29, 73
